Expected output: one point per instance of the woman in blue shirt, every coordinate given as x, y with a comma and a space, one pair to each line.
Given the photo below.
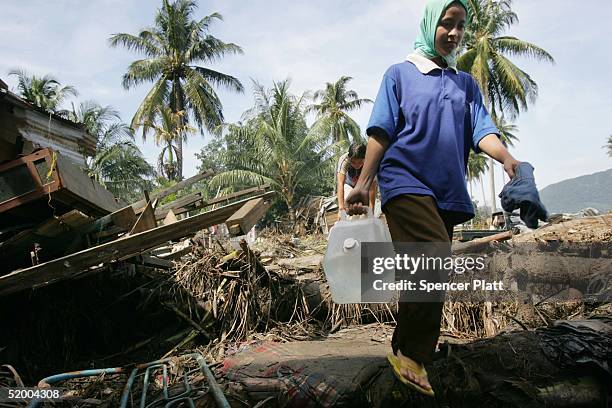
426, 118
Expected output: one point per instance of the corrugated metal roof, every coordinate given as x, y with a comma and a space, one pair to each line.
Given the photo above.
50, 130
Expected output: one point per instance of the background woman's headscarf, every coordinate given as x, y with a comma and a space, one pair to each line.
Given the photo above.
425, 43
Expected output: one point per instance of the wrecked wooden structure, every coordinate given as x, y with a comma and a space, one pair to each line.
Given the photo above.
65, 238
56, 222
79, 243
26, 128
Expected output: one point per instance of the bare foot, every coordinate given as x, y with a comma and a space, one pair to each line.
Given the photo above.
421, 381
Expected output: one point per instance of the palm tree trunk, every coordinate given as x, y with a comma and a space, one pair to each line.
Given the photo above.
492, 184
179, 158
484, 199
178, 107
289, 201
472, 198
170, 153
471, 190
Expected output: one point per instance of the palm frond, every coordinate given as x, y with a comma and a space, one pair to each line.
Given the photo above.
176, 47
147, 42
141, 71
220, 79
514, 46
145, 114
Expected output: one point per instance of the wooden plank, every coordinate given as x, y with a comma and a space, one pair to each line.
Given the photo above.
480, 244
146, 220
241, 222
182, 205
53, 236
56, 226
170, 218
139, 205
237, 194
152, 261
89, 192
188, 200
124, 218
71, 265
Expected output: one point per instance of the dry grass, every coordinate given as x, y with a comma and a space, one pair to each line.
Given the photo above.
232, 296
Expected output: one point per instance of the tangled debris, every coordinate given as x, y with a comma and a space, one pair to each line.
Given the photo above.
223, 303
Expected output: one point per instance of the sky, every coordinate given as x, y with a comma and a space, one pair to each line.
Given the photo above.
314, 42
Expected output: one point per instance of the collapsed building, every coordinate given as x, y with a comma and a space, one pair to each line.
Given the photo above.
58, 224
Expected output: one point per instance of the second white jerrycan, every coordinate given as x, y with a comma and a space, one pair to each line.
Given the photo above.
342, 263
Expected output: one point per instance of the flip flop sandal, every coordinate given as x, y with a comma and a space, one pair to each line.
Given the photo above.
418, 371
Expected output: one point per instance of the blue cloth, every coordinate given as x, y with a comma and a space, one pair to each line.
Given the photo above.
521, 193
431, 121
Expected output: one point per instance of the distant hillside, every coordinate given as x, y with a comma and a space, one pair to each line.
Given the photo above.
572, 195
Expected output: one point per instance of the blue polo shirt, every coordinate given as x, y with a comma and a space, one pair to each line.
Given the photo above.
431, 117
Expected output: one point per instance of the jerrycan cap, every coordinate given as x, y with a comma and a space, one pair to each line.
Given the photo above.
349, 244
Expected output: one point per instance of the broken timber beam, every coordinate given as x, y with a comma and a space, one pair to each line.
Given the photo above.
479, 244
122, 248
146, 220
183, 204
139, 205
241, 222
124, 218
152, 261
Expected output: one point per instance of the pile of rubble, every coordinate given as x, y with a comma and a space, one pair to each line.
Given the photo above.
262, 318
83, 275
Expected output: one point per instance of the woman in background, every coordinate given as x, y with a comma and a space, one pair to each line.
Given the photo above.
348, 172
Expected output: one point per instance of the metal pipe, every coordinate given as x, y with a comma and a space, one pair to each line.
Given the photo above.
212, 383
148, 367
48, 381
126, 390
145, 384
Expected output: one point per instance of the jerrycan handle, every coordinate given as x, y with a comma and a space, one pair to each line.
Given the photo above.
344, 216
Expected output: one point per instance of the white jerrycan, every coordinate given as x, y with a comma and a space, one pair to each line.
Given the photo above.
342, 263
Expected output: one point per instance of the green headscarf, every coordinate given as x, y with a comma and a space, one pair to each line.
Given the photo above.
425, 43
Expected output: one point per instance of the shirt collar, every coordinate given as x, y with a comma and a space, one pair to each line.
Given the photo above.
424, 64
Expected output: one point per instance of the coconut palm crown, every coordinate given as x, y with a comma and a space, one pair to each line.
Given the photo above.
45, 92
177, 51
332, 106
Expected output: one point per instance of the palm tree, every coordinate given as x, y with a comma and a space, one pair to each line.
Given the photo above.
332, 105
175, 51
118, 163
278, 148
168, 130
505, 87
476, 167
609, 145
45, 92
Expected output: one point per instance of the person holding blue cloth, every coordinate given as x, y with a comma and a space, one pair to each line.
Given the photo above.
426, 118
